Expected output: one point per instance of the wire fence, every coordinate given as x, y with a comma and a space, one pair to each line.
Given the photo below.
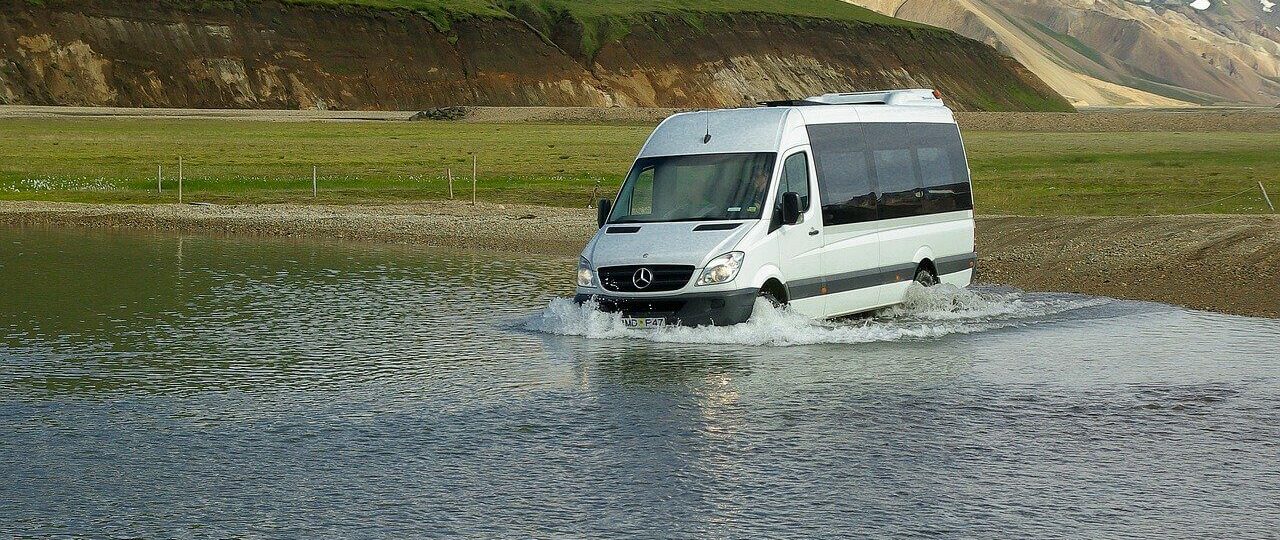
1260, 191
316, 177
176, 180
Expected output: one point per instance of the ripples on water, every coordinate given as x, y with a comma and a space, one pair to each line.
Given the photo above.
158, 386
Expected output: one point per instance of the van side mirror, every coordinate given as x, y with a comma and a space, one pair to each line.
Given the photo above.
790, 208
602, 212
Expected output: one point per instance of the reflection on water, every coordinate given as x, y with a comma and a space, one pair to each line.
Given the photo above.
160, 386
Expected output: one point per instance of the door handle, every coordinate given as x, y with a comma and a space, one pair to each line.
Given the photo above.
813, 232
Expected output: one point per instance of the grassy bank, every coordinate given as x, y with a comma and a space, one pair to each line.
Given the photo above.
239, 161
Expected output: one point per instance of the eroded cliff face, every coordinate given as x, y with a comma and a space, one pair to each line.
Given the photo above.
273, 55
1124, 52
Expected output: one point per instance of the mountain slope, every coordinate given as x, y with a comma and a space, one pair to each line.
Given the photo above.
410, 54
1122, 52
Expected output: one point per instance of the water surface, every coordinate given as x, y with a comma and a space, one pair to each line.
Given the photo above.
166, 386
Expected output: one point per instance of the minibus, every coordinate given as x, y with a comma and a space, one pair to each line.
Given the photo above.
831, 205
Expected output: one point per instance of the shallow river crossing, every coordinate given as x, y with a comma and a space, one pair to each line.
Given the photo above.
167, 386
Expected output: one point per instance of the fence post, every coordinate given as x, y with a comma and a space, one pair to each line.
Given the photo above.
474, 160
159, 178
315, 186
1265, 196
179, 179
449, 174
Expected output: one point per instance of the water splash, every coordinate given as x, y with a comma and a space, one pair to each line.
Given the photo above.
927, 313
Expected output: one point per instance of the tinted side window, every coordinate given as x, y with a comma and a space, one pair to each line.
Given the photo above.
844, 174
935, 166
894, 173
893, 153
795, 177
943, 170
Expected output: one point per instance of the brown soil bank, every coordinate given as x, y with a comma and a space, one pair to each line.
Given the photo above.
1224, 263
267, 54
1229, 264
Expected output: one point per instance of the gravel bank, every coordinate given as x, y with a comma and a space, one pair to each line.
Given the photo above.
1223, 263
510, 228
1229, 264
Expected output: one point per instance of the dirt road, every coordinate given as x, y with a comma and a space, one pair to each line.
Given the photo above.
1256, 120
1229, 264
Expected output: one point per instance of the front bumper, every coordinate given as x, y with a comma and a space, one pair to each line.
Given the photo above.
697, 309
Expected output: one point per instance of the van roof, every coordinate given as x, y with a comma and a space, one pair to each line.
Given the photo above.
761, 129
719, 131
918, 97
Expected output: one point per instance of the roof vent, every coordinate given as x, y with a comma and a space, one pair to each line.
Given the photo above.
911, 97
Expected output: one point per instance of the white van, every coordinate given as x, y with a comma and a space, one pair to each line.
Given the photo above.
831, 205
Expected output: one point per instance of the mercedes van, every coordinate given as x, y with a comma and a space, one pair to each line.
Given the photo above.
831, 205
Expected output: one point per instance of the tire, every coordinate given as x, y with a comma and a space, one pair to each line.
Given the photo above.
773, 300
925, 277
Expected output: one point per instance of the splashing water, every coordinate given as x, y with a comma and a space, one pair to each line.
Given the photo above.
926, 313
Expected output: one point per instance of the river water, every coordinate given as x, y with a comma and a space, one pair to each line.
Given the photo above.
193, 387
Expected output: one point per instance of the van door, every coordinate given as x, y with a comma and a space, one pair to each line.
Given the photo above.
800, 245
851, 234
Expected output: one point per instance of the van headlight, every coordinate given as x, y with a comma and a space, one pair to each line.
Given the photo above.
586, 276
721, 269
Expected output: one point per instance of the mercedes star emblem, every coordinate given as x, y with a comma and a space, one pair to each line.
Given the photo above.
643, 278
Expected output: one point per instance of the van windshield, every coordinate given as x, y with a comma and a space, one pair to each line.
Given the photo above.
706, 187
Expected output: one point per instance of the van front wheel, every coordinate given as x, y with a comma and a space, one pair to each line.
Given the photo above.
772, 297
926, 277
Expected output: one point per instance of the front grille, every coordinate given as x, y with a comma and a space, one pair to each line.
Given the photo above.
665, 278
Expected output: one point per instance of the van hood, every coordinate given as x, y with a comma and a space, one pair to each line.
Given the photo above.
665, 243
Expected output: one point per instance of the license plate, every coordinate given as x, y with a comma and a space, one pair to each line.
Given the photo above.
638, 323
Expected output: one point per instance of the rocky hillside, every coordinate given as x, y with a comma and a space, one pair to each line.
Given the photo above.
1125, 52
411, 54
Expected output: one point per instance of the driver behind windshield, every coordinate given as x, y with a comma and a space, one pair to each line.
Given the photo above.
709, 200
755, 193
698, 187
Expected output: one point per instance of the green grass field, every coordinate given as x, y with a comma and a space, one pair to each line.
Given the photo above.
239, 161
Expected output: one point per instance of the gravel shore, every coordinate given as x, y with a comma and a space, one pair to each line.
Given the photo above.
485, 226
1223, 263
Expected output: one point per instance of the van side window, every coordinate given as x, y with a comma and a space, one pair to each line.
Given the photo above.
844, 174
795, 177
942, 168
935, 166
893, 155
